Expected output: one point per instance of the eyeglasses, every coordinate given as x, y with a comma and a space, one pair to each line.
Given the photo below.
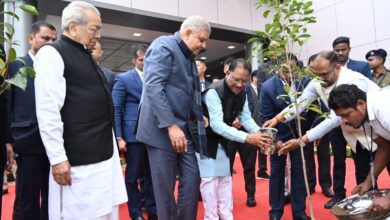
237, 80
95, 30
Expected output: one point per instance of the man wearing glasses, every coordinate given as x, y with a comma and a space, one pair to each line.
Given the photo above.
76, 121
330, 75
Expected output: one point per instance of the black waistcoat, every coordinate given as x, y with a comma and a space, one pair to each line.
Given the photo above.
87, 113
232, 105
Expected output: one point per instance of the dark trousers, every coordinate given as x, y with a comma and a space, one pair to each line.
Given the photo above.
2, 166
164, 165
261, 162
138, 167
248, 160
362, 159
339, 155
31, 197
323, 156
310, 164
276, 185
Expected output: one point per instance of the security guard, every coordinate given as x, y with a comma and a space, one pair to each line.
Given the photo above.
376, 59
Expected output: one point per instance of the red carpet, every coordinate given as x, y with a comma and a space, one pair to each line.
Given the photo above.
241, 211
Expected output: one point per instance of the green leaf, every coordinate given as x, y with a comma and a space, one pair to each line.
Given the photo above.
12, 55
27, 71
29, 9
267, 27
316, 109
10, 28
19, 80
266, 13
11, 14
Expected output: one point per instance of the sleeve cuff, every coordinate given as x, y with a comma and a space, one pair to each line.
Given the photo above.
57, 160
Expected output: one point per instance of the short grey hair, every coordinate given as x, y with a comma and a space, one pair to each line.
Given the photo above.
196, 22
75, 12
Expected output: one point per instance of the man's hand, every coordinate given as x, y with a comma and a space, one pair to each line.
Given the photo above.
61, 173
274, 121
380, 205
10, 155
237, 123
260, 140
363, 187
206, 121
288, 146
178, 139
122, 145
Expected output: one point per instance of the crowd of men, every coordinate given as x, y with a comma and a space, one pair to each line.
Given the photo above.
75, 117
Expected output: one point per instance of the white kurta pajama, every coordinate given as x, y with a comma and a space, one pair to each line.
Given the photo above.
97, 189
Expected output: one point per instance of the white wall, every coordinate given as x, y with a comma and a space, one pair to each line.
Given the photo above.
365, 22
238, 15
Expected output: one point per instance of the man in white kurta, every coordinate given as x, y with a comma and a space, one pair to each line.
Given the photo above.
77, 189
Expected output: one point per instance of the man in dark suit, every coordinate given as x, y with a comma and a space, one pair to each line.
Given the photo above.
253, 96
201, 66
31, 200
270, 106
97, 53
6, 152
126, 96
170, 99
341, 46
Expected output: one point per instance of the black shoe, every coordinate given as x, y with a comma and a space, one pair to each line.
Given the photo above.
264, 176
251, 201
287, 199
303, 217
152, 217
327, 192
333, 202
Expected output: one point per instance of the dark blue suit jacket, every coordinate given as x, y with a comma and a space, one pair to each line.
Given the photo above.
271, 105
167, 97
361, 67
126, 96
23, 117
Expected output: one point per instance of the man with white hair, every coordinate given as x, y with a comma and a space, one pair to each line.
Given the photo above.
75, 117
170, 100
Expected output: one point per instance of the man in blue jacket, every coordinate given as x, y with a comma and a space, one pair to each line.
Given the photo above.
170, 100
270, 106
31, 199
126, 96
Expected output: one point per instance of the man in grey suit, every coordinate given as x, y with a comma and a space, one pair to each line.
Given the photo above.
170, 100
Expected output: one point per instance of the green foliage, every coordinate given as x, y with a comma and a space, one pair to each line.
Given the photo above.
20, 78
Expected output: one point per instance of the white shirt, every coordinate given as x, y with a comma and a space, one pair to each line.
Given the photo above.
50, 92
140, 74
254, 88
378, 111
311, 92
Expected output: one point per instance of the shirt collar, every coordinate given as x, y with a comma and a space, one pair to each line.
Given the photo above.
31, 56
140, 73
187, 52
